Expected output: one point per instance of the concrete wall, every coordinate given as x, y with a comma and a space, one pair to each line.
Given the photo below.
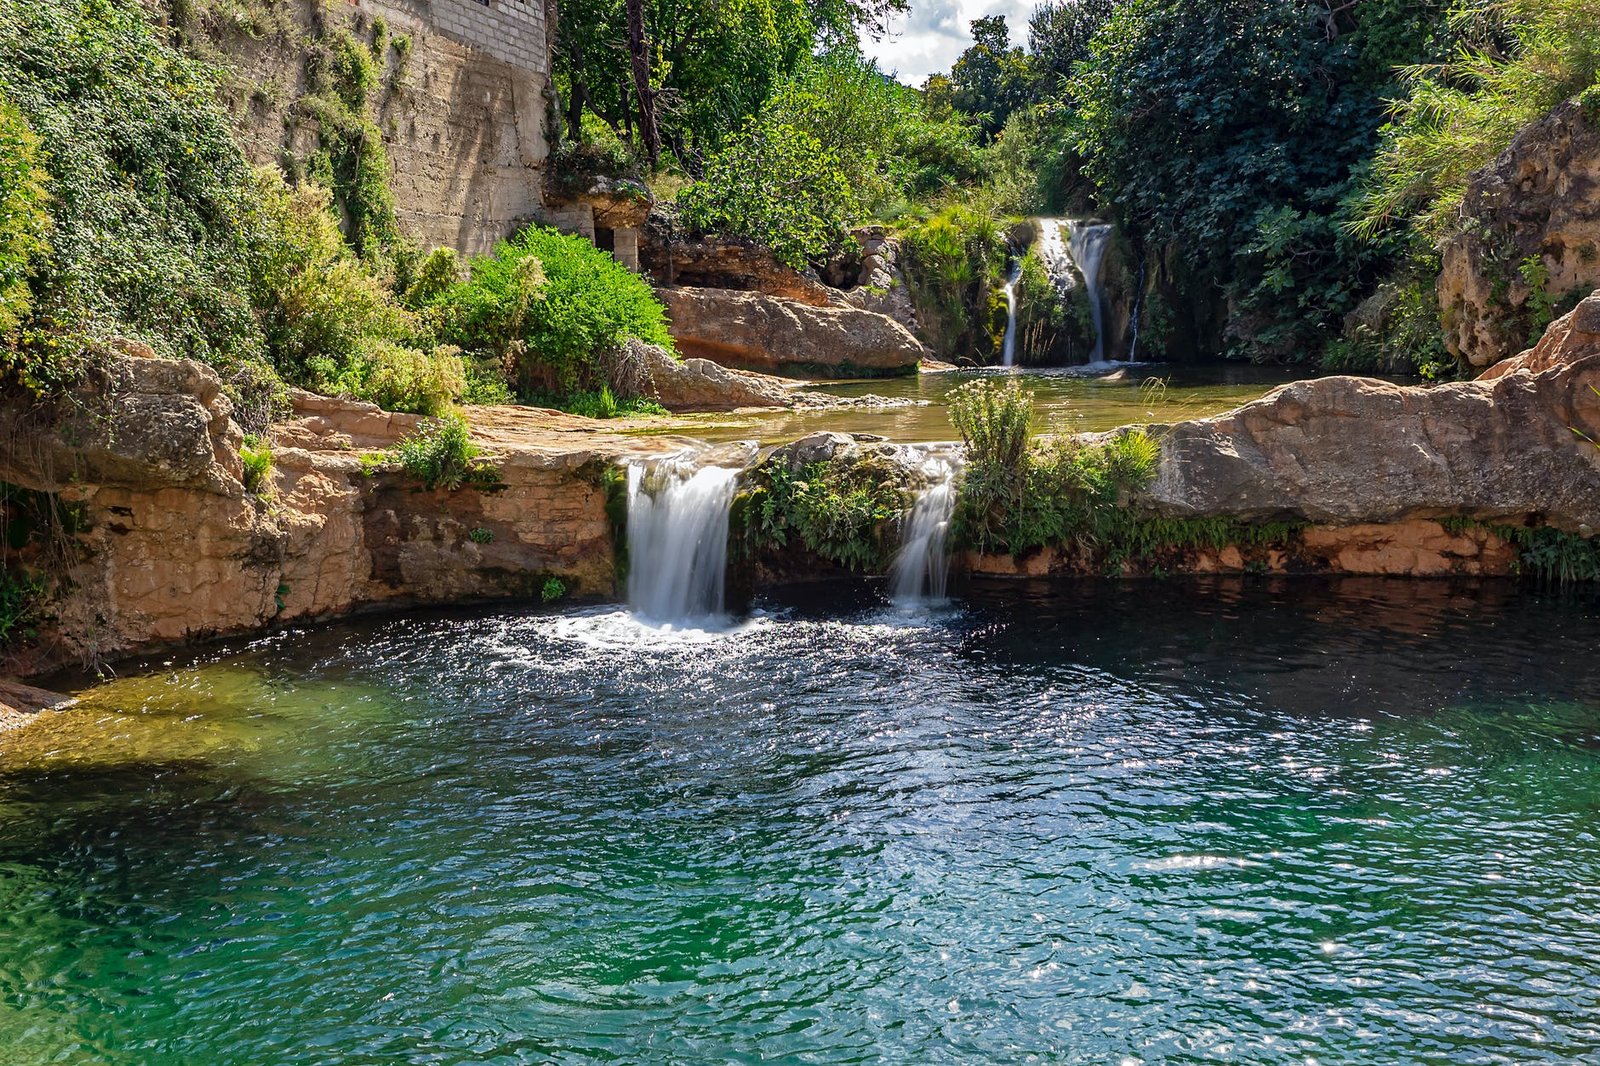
463, 116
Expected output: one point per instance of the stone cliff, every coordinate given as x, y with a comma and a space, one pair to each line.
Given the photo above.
1529, 241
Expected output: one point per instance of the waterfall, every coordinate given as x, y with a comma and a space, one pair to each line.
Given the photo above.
1088, 247
1070, 249
1138, 311
921, 569
1008, 349
678, 538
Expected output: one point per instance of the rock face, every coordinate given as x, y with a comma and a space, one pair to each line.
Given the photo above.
881, 286
170, 548
462, 108
754, 330
1537, 204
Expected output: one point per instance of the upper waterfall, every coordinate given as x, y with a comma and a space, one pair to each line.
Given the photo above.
1071, 249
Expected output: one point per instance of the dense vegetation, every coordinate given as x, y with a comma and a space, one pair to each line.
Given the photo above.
1282, 170
128, 212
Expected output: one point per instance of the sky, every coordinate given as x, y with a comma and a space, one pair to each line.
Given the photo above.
933, 33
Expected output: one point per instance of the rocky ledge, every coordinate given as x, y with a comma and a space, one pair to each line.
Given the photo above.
167, 547
1367, 477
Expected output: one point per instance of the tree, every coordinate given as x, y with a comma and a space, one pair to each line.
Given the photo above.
643, 93
991, 79
1234, 139
1059, 35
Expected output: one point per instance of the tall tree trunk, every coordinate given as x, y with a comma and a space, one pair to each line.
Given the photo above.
639, 50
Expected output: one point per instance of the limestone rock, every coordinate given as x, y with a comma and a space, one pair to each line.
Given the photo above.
752, 329
1348, 451
1569, 337
881, 287
1540, 199
137, 420
640, 369
169, 548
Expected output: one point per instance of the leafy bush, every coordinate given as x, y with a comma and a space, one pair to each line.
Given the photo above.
599, 404
995, 420
398, 378
552, 590
256, 455
22, 595
777, 185
441, 455
549, 304
148, 188
24, 220
1516, 60
1016, 495
479, 535
955, 264
843, 510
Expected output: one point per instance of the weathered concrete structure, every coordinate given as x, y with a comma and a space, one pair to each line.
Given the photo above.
461, 100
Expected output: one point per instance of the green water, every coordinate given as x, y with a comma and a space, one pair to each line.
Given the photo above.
1067, 400
1102, 823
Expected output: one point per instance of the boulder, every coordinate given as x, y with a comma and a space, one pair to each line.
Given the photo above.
754, 330
1539, 202
134, 419
640, 369
1349, 451
881, 284
1570, 337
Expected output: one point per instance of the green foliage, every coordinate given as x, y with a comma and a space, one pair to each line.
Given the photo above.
24, 218
1016, 495
22, 596
440, 454
550, 305
1238, 138
601, 403
775, 184
552, 590
149, 194
842, 510
1406, 338
1514, 60
995, 420
991, 79
1544, 552
350, 158
479, 535
256, 455
955, 263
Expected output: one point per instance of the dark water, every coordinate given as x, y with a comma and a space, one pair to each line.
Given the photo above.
1147, 822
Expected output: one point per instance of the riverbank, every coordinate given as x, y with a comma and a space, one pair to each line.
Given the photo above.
166, 546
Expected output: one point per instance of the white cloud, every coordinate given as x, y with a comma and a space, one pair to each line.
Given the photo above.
932, 35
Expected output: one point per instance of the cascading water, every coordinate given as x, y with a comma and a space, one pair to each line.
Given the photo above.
921, 569
1077, 254
678, 538
1008, 348
1087, 245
